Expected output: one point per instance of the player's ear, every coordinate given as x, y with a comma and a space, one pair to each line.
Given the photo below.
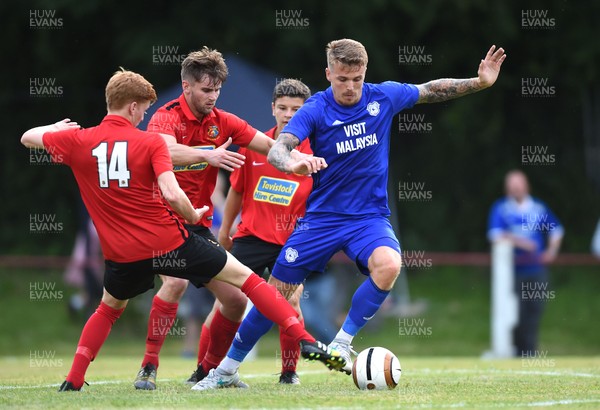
328, 74
185, 85
273, 108
132, 107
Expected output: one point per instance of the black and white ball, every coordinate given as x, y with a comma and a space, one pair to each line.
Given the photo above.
376, 368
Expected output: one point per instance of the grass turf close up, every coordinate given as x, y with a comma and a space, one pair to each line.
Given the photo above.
563, 382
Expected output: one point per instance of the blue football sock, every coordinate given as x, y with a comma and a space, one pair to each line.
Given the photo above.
253, 327
365, 302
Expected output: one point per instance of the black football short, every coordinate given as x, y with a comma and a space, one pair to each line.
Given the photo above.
202, 231
255, 253
198, 259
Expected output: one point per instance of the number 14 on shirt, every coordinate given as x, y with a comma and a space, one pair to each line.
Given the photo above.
117, 167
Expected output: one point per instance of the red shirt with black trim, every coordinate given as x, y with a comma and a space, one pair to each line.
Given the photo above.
271, 199
198, 180
116, 167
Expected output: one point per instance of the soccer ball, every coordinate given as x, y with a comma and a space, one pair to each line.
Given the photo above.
376, 368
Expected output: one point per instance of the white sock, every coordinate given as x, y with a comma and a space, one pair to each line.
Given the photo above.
343, 337
228, 366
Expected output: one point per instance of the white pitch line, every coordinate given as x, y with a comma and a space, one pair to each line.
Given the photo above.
424, 371
559, 402
101, 382
504, 405
503, 371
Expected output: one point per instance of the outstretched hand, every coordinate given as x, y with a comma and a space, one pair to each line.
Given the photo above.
308, 165
222, 158
489, 68
65, 124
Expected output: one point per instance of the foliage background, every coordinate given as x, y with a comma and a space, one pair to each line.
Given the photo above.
473, 142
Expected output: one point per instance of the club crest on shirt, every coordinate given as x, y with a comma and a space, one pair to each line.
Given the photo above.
291, 255
213, 132
373, 108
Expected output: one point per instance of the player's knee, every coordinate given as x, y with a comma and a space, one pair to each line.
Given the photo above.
234, 306
173, 289
385, 267
113, 302
392, 268
286, 289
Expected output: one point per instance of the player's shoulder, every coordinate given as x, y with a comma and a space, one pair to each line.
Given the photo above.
73, 136
388, 87
223, 115
317, 100
171, 106
167, 112
109, 121
143, 137
315, 105
75, 132
151, 137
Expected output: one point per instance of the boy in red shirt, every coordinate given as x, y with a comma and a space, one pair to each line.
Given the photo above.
119, 170
270, 202
197, 134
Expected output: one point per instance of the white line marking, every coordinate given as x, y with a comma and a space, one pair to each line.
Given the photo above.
559, 402
101, 382
509, 405
507, 371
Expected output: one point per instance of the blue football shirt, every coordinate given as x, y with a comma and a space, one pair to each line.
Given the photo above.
533, 220
355, 142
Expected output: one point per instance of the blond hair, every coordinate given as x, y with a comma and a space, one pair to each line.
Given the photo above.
206, 62
346, 51
125, 87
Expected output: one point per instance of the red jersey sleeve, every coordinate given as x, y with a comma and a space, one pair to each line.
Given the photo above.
239, 174
165, 122
239, 130
160, 157
59, 145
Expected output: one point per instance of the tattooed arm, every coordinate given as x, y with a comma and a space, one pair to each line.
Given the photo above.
449, 88
446, 89
280, 156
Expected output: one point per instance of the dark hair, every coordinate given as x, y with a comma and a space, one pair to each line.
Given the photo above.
290, 87
206, 62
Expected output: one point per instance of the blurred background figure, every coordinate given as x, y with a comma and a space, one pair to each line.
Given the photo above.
323, 302
536, 234
596, 241
85, 269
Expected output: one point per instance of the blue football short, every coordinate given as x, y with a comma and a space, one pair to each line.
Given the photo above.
317, 237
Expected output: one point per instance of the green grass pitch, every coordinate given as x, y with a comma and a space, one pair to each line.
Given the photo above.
559, 382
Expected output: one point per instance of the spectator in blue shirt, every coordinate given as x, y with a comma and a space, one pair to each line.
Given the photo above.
596, 241
536, 234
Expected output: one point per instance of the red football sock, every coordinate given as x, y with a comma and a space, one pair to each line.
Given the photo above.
274, 307
93, 335
162, 317
290, 351
222, 332
203, 343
